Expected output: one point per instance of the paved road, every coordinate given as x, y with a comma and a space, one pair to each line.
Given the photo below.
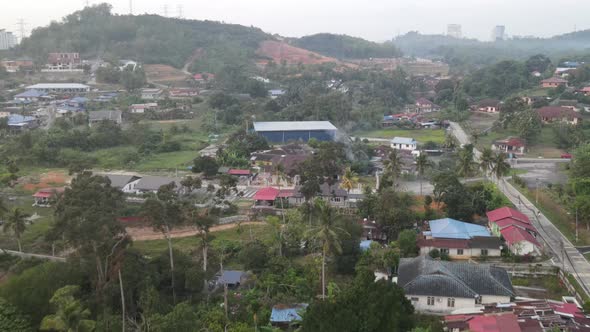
561, 248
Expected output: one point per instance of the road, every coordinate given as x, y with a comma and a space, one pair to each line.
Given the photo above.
568, 257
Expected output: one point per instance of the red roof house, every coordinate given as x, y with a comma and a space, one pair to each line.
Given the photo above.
43, 197
505, 217
239, 172
553, 82
510, 145
267, 196
549, 114
519, 241
586, 90
507, 212
496, 322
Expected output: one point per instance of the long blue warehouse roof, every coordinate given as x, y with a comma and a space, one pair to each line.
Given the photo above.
293, 126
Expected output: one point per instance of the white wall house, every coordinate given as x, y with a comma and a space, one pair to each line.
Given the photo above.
404, 143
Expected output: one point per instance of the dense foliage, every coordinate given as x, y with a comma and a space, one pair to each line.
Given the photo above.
346, 47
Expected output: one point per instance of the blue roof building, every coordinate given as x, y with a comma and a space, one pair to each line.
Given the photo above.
16, 121
285, 131
283, 315
30, 95
365, 245
448, 228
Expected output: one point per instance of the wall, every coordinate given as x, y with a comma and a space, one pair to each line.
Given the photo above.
467, 253
440, 304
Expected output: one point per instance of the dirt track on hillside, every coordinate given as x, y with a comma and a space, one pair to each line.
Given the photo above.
147, 233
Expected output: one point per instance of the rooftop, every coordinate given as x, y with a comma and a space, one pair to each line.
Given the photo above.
155, 182
513, 234
403, 140
557, 112
507, 212
287, 314
58, 86
119, 180
231, 277
454, 229
32, 93
554, 80
294, 126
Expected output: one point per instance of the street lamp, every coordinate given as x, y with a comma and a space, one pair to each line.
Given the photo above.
537, 192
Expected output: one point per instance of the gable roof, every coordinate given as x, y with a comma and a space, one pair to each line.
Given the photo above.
241, 172
403, 140
513, 234
489, 103
507, 212
119, 180
477, 242
511, 141
155, 182
294, 126
424, 276
553, 112
507, 322
454, 229
514, 222
424, 102
266, 194
287, 314
554, 80
17, 119
32, 93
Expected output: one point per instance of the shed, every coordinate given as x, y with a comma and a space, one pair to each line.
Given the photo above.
285, 131
286, 315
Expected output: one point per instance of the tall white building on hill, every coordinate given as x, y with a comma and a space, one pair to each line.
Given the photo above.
454, 30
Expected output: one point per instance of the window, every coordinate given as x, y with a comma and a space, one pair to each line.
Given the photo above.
478, 300
484, 252
459, 251
430, 300
415, 299
451, 302
444, 251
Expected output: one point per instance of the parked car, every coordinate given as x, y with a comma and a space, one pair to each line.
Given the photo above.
566, 156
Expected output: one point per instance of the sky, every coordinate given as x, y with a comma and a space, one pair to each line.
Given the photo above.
376, 20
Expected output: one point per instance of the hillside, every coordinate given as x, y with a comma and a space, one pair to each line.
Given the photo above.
346, 47
152, 39
280, 52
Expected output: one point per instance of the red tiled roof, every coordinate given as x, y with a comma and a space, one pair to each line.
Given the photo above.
506, 212
489, 103
48, 192
554, 80
423, 102
506, 222
553, 112
267, 194
511, 141
238, 172
494, 323
586, 89
513, 234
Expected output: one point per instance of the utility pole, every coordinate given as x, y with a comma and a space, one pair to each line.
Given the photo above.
165, 10
537, 191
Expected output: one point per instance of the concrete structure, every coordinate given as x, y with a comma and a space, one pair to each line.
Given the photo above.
285, 131
7, 40
499, 33
63, 62
99, 116
454, 30
404, 143
142, 108
553, 82
478, 246
424, 105
443, 287
448, 228
59, 87
520, 242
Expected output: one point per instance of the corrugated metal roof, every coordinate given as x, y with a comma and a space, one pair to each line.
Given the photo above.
448, 228
58, 86
403, 140
287, 314
293, 126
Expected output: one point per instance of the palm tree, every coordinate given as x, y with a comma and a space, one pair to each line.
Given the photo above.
327, 234
486, 161
393, 165
349, 179
450, 142
3, 208
70, 313
422, 163
466, 163
500, 166
16, 223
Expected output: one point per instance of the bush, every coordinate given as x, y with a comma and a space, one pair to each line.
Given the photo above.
254, 256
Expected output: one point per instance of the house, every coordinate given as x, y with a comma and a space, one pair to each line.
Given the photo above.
373, 231
585, 91
442, 287
13, 66
477, 246
513, 145
30, 95
99, 116
21, 122
151, 94
151, 184
239, 172
60, 88
553, 82
572, 104
520, 242
203, 77
285, 316
125, 183
232, 278
183, 93
489, 106
448, 228
404, 143
276, 93
285, 131
550, 114
496, 322
332, 194
503, 217
63, 62
424, 105
44, 197
142, 108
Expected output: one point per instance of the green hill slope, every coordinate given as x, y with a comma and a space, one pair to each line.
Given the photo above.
346, 47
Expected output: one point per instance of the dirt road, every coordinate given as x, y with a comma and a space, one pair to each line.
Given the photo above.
147, 233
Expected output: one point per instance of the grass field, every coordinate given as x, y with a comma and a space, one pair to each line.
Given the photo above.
555, 291
33, 238
246, 234
544, 145
421, 135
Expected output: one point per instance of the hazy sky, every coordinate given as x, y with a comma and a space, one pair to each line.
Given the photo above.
377, 20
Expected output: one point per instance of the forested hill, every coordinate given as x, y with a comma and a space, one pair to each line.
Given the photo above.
470, 51
346, 47
95, 31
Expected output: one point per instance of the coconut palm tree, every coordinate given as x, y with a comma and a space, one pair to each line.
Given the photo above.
16, 223
393, 165
500, 166
349, 179
327, 233
422, 163
3, 208
486, 161
466, 163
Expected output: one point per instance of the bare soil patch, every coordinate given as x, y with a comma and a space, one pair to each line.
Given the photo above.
148, 233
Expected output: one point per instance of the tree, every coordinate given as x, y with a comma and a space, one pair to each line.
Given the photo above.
16, 223
203, 224
537, 62
466, 164
486, 161
349, 180
528, 125
254, 255
191, 183
162, 211
70, 314
11, 319
393, 211
86, 217
500, 166
207, 165
407, 242
326, 233
393, 166
422, 164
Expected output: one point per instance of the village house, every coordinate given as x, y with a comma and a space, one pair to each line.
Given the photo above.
287, 316
99, 116
203, 77
151, 94
551, 114
585, 91
424, 105
553, 82
520, 242
19, 122
489, 106
180, 93
503, 217
142, 108
31, 95
44, 197
333, 194
67, 62
434, 286
276, 93
151, 184
509, 145
125, 183
232, 278
404, 143
572, 104
16, 65
373, 231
